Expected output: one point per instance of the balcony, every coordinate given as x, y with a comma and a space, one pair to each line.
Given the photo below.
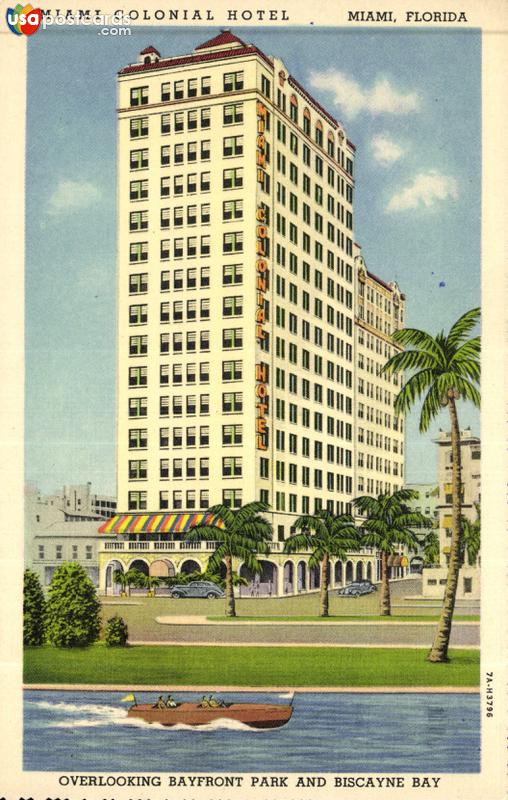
156, 546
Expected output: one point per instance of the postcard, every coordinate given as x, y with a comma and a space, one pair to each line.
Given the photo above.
254, 402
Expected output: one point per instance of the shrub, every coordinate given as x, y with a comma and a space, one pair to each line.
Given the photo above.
116, 633
34, 607
73, 609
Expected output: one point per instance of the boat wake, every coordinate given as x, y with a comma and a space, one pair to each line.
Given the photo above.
89, 715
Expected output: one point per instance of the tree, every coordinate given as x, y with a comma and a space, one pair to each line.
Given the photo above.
444, 369
431, 548
326, 536
470, 544
127, 579
388, 526
241, 534
149, 582
73, 609
34, 607
116, 633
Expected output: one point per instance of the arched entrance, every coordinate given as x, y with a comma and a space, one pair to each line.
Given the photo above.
163, 568
288, 577
140, 566
301, 576
314, 578
113, 588
263, 583
190, 566
369, 571
338, 573
349, 571
359, 570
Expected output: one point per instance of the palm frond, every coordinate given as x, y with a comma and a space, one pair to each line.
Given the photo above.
412, 337
207, 532
463, 327
224, 513
298, 542
311, 523
413, 389
250, 510
431, 407
410, 359
468, 391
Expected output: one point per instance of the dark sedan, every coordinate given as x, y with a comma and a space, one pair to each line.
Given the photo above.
357, 588
197, 589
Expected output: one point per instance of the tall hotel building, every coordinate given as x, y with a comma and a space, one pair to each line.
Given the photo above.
237, 294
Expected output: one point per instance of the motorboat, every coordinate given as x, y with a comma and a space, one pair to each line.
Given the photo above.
254, 715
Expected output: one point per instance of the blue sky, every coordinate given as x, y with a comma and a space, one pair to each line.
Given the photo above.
411, 103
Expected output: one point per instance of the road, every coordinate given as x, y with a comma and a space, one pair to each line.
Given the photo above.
185, 631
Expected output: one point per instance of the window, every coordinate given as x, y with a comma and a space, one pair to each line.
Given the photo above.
138, 127
232, 402
139, 159
232, 306
138, 315
206, 84
178, 90
205, 118
137, 501
232, 242
138, 406
138, 438
138, 346
139, 190
137, 470
233, 114
232, 178
138, 283
232, 498
139, 96
192, 87
165, 92
232, 338
233, 81
232, 467
231, 370
232, 209
232, 146
231, 434
232, 274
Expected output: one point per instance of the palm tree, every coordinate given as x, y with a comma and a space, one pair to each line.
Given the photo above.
241, 534
126, 579
387, 526
431, 548
150, 583
470, 544
326, 536
444, 369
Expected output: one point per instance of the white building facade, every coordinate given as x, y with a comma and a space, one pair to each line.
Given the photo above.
434, 579
236, 295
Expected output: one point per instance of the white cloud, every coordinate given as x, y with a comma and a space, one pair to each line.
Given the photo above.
381, 98
385, 151
72, 196
425, 190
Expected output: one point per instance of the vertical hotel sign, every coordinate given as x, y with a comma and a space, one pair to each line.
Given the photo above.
262, 253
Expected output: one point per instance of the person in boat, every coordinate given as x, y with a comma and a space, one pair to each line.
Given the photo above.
170, 702
213, 702
205, 703
160, 703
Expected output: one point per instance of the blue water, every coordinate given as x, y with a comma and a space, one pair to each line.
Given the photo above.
328, 732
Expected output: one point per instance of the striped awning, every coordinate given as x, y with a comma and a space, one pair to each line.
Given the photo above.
158, 523
397, 561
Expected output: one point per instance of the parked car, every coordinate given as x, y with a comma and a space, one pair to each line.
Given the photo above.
357, 588
197, 589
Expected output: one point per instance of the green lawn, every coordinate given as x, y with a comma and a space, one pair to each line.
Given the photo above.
249, 666
347, 618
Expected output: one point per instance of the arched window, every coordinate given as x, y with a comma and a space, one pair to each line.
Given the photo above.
306, 121
319, 133
294, 108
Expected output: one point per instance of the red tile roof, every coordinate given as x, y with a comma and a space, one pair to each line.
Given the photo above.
224, 37
378, 280
150, 49
195, 59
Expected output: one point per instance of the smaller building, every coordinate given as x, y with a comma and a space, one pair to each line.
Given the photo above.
426, 503
63, 527
434, 578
